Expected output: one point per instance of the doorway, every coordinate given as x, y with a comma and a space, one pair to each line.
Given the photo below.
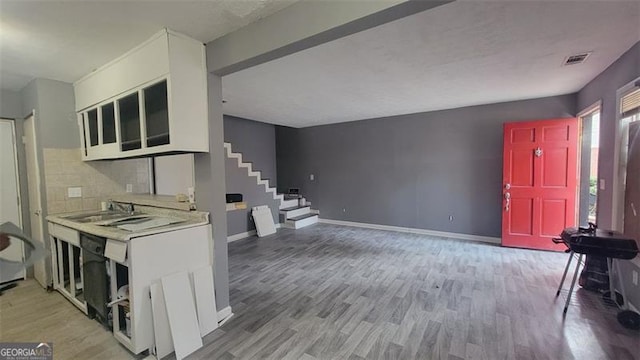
35, 200
589, 152
540, 168
10, 209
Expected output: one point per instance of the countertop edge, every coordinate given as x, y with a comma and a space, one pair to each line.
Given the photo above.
119, 234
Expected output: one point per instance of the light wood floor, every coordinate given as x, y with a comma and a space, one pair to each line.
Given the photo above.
333, 292
28, 313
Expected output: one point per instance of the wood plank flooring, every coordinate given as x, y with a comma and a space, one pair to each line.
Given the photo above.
334, 292
28, 313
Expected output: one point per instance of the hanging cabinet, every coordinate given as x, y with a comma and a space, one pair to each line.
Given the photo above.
151, 100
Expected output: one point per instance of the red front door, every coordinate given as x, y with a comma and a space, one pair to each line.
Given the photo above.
540, 167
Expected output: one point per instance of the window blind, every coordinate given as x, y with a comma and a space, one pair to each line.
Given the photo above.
630, 103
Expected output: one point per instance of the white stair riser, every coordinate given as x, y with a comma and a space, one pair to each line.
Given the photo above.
288, 203
301, 223
297, 212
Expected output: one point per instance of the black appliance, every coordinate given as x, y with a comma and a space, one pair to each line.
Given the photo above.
96, 279
607, 244
234, 198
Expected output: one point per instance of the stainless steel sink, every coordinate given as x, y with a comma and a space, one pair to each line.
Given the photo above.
101, 216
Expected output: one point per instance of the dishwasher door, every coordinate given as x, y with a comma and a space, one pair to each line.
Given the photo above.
96, 279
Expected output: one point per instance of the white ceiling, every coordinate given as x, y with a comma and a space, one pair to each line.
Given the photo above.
65, 40
460, 54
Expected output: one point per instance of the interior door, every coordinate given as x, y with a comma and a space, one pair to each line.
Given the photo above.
9, 199
539, 182
35, 203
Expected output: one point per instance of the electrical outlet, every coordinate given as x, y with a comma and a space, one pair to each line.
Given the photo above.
74, 192
129, 188
634, 277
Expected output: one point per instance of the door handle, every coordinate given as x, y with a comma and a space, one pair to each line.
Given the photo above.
37, 212
507, 197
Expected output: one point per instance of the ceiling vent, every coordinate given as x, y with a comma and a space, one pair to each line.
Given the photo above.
576, 59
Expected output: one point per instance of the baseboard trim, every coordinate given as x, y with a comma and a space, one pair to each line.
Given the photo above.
487, 239
240, 236
244, 235
224, 315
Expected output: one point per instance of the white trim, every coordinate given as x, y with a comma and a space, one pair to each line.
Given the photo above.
244, 235
617, 201
250, 172
487, 239
240, 236
224, 315
589, 109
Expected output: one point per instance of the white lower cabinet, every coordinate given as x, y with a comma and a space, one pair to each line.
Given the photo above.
67, 264
137, 264
149, 258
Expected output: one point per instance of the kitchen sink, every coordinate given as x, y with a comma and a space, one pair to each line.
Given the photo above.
100, 216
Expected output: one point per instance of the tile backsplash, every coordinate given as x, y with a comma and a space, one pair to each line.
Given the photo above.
98, 180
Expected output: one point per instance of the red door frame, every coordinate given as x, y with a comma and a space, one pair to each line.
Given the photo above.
543, 190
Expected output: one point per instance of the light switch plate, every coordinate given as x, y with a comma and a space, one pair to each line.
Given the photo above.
601, 184
311, 177
129, 188
74, 192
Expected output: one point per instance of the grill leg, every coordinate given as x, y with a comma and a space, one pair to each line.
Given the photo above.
566, 269
573, 282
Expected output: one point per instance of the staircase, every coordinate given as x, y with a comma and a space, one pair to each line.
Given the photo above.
292, 215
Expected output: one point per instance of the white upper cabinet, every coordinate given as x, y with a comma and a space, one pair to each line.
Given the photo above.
151, 100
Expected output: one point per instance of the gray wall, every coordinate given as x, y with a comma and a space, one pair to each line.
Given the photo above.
257, 143
209, 176
56, 127
239, 221
412, 170
604, 88
10, 105
56, 114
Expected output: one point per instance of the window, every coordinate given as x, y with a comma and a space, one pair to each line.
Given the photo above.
628, 111
590, 149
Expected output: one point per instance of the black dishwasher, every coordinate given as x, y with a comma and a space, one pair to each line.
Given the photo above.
96, 280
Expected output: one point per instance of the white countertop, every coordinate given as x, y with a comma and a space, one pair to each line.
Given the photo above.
189, 219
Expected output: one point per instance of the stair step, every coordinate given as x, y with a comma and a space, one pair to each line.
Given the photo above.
301, 221
293, 212
288, 203
294, 208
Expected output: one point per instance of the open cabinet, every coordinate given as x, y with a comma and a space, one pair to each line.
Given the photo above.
67, 264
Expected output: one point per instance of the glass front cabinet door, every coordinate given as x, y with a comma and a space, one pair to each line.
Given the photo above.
129, 124
156, 112
99, 130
